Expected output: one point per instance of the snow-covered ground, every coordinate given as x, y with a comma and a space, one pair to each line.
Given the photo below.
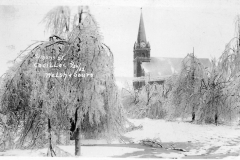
199, 141
204, 139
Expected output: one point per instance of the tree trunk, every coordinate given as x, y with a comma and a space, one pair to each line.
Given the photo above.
193, 116
78, 143
51, 151
77, 135
216, 119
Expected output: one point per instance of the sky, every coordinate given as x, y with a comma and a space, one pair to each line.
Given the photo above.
172, 27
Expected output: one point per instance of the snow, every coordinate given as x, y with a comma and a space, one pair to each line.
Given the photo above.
27, 153
200, 141
172, 155
225, 139
182, 132
103, 151
119, 84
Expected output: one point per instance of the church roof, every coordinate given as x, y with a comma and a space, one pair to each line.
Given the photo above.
141, 31
166, 66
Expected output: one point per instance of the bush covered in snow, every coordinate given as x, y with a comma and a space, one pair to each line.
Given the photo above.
146, 102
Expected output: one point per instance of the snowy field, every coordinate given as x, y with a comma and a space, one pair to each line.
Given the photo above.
196, 141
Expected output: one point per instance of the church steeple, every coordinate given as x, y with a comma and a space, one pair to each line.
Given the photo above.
141, 53
141, 31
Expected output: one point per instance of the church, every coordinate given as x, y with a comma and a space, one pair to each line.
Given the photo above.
149, 69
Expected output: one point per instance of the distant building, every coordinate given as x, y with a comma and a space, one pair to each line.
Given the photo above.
149, 69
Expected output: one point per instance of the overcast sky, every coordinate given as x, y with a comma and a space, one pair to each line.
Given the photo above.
173, 28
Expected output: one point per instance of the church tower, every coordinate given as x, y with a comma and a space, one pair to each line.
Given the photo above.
141, 53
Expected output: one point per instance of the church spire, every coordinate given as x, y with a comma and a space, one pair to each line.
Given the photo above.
141, 31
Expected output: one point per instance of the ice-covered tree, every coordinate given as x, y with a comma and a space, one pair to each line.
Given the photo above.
68, 79
210, 94
146, 102
184, 96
